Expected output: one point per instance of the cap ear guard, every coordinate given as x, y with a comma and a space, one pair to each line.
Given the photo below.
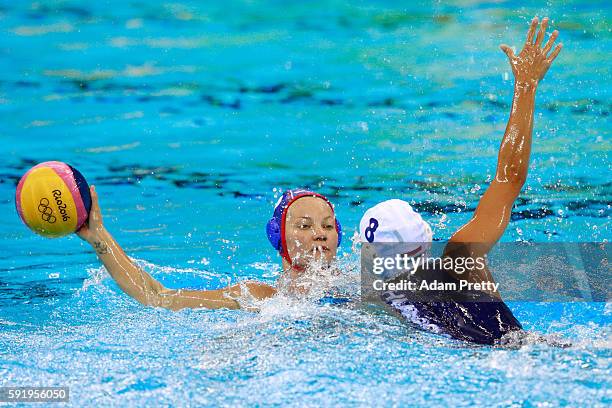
339, 229
274, 233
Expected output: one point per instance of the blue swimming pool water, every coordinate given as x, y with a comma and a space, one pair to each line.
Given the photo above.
192, 117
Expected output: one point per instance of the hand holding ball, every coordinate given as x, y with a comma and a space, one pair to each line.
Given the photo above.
53, 199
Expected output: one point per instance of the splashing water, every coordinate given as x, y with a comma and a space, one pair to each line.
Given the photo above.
191, 121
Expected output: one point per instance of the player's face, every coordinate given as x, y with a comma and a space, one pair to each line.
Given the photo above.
310, 231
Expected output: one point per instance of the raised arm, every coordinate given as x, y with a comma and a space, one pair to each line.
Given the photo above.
492, 214
146, 290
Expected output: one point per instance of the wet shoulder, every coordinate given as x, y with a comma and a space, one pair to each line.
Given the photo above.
260, 290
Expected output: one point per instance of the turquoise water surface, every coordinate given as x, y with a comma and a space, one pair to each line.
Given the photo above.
192, 117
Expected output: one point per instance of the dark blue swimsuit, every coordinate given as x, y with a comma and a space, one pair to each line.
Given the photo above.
470, 316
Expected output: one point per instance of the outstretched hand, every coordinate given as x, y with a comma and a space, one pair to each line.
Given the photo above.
532, 62
94, 224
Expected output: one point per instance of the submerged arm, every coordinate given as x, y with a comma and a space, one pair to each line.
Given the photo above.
143, 287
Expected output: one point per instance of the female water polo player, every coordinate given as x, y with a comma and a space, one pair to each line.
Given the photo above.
394, 221
303, 229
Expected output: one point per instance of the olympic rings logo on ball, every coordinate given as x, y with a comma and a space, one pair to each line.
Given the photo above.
46, 212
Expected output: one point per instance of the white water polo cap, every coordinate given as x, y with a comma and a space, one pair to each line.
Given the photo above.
395, 221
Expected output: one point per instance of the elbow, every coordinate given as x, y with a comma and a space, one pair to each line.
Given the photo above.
151, 300
517, 175
514, 185
161, 301
155, 295
512, 176
517, 180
